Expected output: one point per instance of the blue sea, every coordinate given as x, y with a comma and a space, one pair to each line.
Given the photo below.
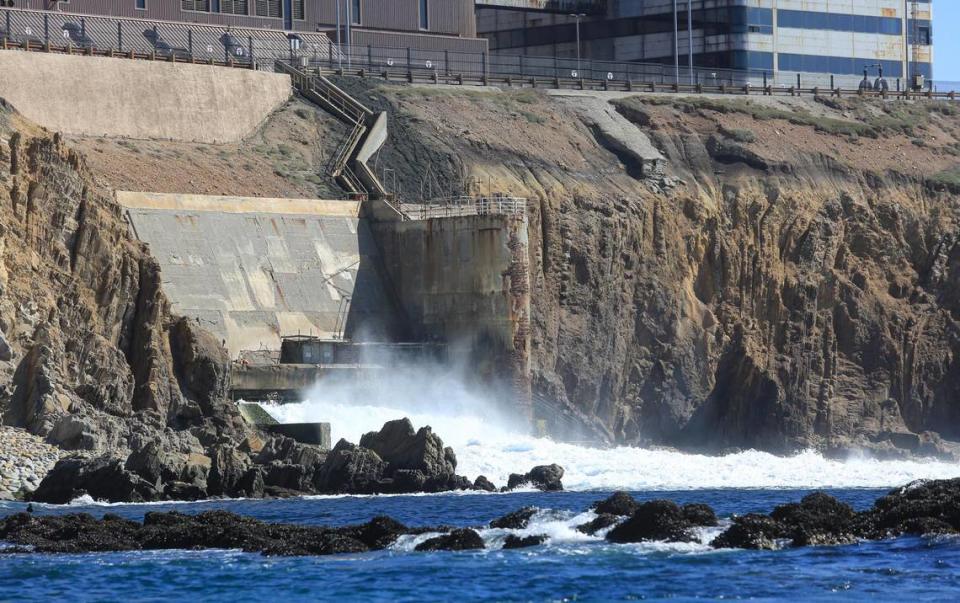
569, 567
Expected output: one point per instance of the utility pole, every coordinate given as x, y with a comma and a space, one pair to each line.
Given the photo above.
676, 43
349, 34
578, 16
339, 45
690, 39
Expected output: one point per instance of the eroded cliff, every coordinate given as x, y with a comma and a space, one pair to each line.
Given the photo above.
790, 282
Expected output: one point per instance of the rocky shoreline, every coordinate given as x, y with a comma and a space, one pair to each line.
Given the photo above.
920, 508
398, 459
25, 459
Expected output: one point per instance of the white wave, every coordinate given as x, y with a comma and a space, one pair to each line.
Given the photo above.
488, 443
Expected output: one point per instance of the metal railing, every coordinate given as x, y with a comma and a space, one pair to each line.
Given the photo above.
90, 34
261, 48
590, 7
467, 206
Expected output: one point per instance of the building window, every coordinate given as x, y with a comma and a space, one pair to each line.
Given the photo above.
140, 4
355, 16
233, 7
200, 6
424, 14
296, 8
269, 8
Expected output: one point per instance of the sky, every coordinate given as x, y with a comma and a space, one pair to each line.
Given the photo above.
946, 40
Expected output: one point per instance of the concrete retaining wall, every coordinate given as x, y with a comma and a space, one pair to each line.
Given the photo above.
253, 270
102, 96
465, 281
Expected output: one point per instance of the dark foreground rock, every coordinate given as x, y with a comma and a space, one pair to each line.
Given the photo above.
619, 503
78, 533
396, 459
517, 542
463, 539
541, 477
920, 508
660, 520
517, 520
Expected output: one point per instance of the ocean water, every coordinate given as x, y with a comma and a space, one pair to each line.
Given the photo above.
569, 567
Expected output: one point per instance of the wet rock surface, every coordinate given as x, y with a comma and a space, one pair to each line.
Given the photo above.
920, 508
542, 477
521, 542
170, 468
517, 520
463, 539
660, 520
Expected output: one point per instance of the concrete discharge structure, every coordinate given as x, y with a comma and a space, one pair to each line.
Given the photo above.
102, 96
465, 280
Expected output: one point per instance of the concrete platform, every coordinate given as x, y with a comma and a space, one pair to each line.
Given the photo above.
252, 269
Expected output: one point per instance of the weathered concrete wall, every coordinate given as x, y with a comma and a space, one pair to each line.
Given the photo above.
253, 270
139, 99
465, 281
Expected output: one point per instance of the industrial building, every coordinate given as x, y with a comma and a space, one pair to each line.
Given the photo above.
779, 38
421, 24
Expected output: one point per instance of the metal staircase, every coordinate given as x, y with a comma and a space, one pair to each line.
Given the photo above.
350, 172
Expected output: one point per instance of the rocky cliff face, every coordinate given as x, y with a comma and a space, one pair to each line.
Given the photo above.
93, 361
790, 283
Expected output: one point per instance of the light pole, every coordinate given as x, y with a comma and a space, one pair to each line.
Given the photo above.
339, 41
690, 39
676, 43
578, 16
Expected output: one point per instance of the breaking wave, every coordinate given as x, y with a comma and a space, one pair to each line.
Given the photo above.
488, 443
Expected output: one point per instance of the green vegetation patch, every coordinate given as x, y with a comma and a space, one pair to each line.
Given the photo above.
949, 179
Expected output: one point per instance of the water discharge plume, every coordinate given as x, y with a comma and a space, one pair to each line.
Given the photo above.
489, 442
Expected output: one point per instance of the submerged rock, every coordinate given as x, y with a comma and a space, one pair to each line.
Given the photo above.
463, 539
660, 520
517, 520
619, 503
752, 531
699, 514
542, 477
604, 520
212, 529
513, 541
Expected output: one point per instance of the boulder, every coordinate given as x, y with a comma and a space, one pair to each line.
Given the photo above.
660, 520
752, 531
541, 477
817, 519
403, 448
227, 466
619, 503
516, 542
604, 520
350, 469
103, 478
482, 483
463, 539
699, 514
155, 464
517, 520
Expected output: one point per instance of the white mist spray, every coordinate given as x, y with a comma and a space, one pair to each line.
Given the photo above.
489, 442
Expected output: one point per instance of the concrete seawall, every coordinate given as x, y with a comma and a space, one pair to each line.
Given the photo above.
101, 96
252, 270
